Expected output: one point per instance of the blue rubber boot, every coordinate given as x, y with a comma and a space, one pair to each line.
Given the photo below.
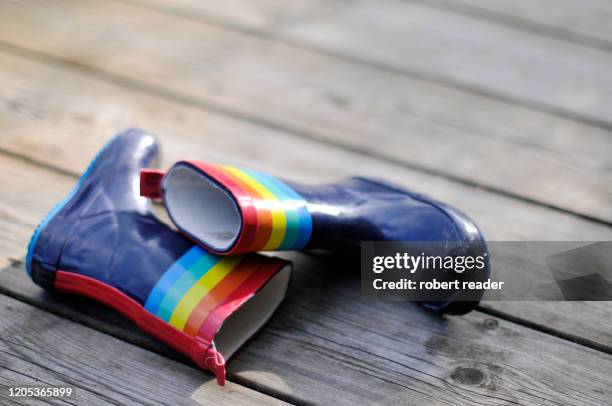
103, 241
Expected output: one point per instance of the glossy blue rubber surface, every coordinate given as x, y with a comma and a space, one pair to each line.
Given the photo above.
360, 209
341, 216
104, 229
59, 206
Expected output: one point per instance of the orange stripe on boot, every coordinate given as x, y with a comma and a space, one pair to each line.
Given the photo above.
238, 297
219, 293
264, 216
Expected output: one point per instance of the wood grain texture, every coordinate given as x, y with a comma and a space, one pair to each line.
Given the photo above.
21, 205
587, 21
580, 20
328, 345
439, 44
39, 348
443, 131
62, 122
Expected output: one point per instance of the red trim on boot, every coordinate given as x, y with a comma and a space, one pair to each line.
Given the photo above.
150, 183
198, 349
254, 228
214, 362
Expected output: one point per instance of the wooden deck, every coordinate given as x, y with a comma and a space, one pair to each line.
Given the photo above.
503, 109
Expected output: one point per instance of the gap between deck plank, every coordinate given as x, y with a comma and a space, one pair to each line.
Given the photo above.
522, 313
580, 21
583, 22
444, 132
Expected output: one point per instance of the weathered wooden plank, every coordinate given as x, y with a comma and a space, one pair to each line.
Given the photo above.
438, 44
22, 206
587, 21
61, 118
39, 348
582, 20
468, 137
327, 344
576, 316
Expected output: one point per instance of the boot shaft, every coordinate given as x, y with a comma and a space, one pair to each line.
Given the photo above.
231, 210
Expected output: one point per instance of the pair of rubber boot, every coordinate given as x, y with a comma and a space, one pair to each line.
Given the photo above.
203, 290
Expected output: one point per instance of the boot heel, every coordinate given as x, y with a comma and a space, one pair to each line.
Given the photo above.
42, 277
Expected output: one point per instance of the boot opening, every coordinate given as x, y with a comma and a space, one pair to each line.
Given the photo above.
200, 207
253, 314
